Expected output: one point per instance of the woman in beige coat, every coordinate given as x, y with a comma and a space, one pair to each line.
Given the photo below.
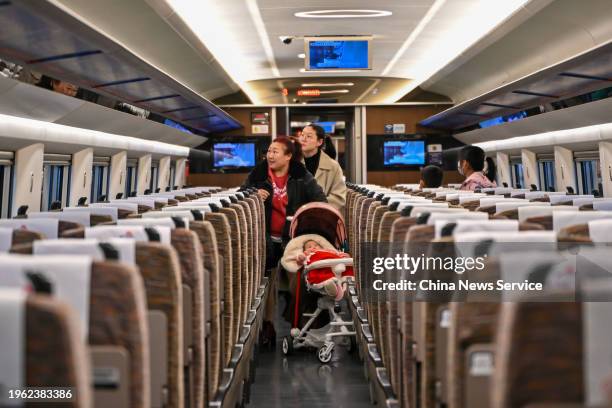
327, 172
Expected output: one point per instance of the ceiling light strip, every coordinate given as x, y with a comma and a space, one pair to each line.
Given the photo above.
263, 35
414, 34
334, 91
346, 14
324, 84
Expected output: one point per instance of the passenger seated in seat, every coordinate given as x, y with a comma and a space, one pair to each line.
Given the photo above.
472, 165
431, 177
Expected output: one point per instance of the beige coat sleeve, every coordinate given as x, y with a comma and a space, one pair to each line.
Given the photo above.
337, 190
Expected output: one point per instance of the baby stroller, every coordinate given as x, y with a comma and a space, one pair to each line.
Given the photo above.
322, 223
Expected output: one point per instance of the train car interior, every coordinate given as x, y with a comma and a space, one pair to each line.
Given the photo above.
264, 203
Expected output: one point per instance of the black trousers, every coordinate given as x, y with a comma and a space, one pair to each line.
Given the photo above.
274, 253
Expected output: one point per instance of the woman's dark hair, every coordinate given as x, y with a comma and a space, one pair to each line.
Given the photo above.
292, 147
318, 130
491, 169
329, 148
328, 144
474, 155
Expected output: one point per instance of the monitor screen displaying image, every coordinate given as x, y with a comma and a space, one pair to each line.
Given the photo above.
403, 152
233, 155
329, 127
337, 53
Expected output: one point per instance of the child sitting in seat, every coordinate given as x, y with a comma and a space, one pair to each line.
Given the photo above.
314, 251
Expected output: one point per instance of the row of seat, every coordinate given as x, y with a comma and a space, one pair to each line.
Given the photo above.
167, 291
508, 351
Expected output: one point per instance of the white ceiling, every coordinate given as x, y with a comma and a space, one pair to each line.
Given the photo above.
389, 32
213, 46
415, 42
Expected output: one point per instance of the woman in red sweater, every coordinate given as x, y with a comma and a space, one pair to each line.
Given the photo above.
284, 184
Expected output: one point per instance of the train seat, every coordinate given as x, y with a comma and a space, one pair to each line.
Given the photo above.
48, 227
223, 237
124, 208
194, 285
42, 346
97, 290
161, 271
562, 219
98, 215
541, 215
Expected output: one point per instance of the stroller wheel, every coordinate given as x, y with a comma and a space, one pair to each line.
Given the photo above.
287, 345
325, 353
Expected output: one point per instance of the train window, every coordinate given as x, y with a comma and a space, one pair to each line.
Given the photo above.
589, 175
99, 178
518, 181
5, 189
99, 182
56, 181
172, 175
547, 175
154, 177
56, 185
6, 165
130, 179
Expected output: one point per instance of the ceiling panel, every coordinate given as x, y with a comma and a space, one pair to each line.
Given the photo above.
389, 32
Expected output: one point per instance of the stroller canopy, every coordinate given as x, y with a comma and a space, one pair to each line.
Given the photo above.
319, 218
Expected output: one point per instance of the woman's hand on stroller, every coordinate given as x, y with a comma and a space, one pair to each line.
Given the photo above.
264, 194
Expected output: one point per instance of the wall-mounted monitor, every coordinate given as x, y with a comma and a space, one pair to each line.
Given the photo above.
397, 153
338, 53
233, 155
329, 127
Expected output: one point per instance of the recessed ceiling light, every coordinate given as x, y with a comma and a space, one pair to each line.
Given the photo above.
323, 84
343, 14
335, 91
302, 56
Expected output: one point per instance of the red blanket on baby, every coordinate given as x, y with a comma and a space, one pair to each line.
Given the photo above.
324, 273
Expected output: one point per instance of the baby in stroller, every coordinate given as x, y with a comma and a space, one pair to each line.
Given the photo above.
325, 271
320, 278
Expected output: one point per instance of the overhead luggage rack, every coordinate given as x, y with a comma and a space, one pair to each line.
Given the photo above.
67, 48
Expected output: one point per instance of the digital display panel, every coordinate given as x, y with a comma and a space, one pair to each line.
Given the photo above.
403, 152
233, 155
338, 54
